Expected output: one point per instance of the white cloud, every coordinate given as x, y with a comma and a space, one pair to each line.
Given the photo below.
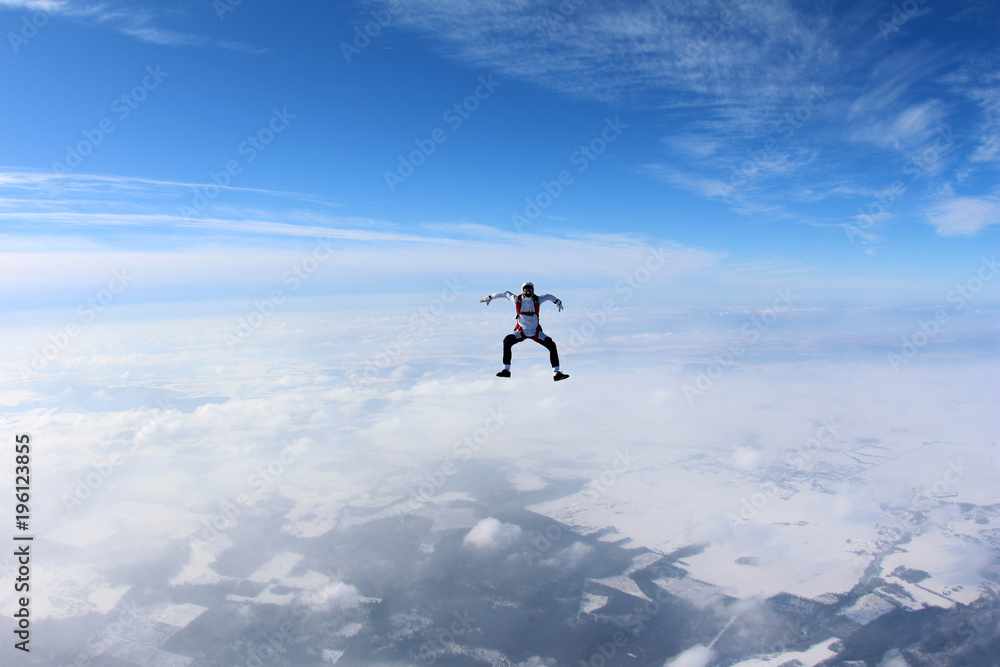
636, 53
696, 656
893, 659
51, 6
571, 556
164, 37
122, 19
536, 661
891, 82
979, 82
53, 191
913, 125
335, 595
228, 440
216, 270
746, 458
492, 535
988, 149
704, 186
256, 247
964, 216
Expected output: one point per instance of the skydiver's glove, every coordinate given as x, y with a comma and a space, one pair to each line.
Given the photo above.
486, 300
559, 305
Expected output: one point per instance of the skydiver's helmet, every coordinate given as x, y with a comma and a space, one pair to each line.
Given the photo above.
528, 288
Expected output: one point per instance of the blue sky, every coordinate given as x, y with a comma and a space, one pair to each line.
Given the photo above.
851, 143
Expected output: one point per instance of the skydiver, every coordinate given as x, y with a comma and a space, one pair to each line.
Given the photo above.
527, 326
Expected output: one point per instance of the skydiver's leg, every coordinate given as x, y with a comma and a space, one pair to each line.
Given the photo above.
510, 341
550, 345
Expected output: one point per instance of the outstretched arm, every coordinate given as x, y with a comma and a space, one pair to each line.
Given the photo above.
549, 297
490, 297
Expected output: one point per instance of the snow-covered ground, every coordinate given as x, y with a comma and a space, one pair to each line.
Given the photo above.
785, 474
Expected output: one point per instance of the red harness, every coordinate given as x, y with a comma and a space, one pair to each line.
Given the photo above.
517, 327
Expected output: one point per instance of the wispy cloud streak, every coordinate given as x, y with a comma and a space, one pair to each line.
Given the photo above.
128, 20
725, 76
